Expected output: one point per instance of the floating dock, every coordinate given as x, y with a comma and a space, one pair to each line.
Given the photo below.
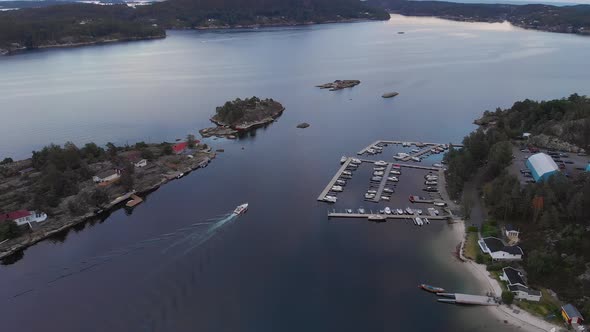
135, 200
428, 146
383, 183
333, 181
387, 216
458, 298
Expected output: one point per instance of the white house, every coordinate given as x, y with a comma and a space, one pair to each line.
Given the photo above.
517, 285
106, 176
500, 251
141, 163
24, 217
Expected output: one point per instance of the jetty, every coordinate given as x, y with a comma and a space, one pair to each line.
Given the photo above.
458, 298
333, 181
427, 146
386, 216
383, 183
135, 200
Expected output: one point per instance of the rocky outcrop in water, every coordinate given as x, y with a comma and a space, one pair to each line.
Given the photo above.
339, 84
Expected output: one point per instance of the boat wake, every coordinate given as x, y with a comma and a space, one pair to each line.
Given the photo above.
183, 241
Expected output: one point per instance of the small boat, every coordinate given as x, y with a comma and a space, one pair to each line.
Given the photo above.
419, 221
369, 196
431, 177
437, 165
433, 150
415, 150
376, 178
371, 191
341, 182
405, 144
378, 173
430, 183
180, 175
376, 217
417, 159
330, 199
241, 209
415, 222
361, 211
409, 211
441, 204
400, 211
388, 190
392, 179
432, 289
349, 211
337, 188
395, 172
384, 198
381, 211
346, 172
380, 163
343, 159
379, 169
377, 148
355, 161
387, 210
419, 211
436, 212
426, 221
371, 151
431, 189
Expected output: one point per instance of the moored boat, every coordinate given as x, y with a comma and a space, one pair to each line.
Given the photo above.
432, 289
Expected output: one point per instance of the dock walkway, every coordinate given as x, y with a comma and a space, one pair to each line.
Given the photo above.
383, 183
387, 216
336, 176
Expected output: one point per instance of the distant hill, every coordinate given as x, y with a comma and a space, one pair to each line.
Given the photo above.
78, 24
565, 19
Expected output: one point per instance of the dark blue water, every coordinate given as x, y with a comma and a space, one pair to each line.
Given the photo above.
283, 266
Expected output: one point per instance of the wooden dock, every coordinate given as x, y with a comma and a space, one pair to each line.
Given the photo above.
361, 152
387, 216
427, 145
135, 200
333, 181
383, 183
427, 168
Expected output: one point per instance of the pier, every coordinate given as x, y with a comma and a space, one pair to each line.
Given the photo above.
458, 298
383, 183
333, 181
428, 145
387, 216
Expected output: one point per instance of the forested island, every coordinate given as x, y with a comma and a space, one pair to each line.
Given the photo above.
565, 19
553, 216
81, 24
242, 115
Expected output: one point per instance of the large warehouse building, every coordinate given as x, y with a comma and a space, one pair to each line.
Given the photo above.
542, 166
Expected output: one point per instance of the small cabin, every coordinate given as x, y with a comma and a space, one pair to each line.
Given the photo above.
107, 176
571, 315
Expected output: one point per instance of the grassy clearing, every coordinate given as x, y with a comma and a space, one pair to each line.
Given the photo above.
548, 308
471, 246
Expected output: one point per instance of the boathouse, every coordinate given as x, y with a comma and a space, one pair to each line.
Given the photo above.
571, 315
542, 166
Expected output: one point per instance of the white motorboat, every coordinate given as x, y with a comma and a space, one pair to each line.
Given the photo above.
330, 199
371, 191
419, 221
337, 188
431, 177
392, 179
387, 210
341, 182
388, 190
430, 183
426, 220
419, 211
343, 159
409, 211
241, 209
433, 150
400, 211
376, 178
348, 210
414, 220
180, 175
371, 151
379, 168
380, 163
378, 173
347, 172
376, 217
369, 196
355, 161
437, 165
441, 204
361, 211
415, 150
384, 198
417, 159
395, 172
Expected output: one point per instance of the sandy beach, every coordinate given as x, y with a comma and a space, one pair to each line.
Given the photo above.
510, 315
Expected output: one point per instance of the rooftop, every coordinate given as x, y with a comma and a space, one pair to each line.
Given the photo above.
495, 244
543, 163
14, 215
571, 311
514, 276
527, 290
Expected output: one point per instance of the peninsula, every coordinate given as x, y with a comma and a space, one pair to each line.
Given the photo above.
69, 185
564, 19
242, 115
84, 24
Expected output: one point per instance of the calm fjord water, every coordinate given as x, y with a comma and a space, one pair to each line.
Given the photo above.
283, 266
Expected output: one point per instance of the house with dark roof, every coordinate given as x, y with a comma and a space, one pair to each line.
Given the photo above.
498, 250
516, 284
571, 315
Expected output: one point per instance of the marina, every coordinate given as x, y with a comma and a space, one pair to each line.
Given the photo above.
326, 190
386, 216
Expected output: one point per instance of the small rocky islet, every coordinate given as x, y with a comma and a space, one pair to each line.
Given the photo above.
303, 125
339, 84
242, 115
